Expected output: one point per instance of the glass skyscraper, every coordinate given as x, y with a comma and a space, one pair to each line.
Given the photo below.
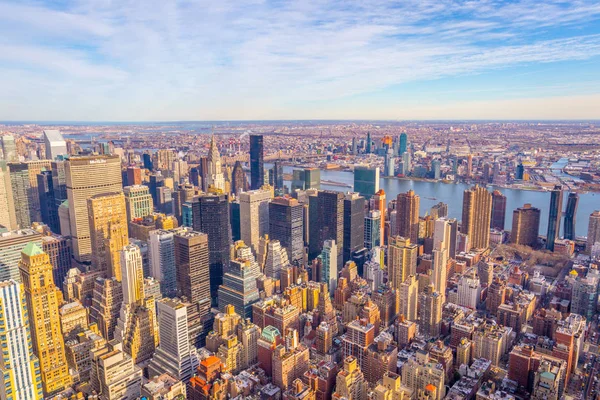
257, 170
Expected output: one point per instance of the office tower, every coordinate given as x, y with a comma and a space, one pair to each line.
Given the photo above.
286, 224
138, 201
419, 372
47, 202
359, 336
174, 354
571, 216
368, 144
20, 367
73, 319
215, 172
211, 216
11, 245
440, 210
134, 176
326, 211
402, 260
403, 143
390, 163
165, 158
469, 291
381, 357
350, 382
593, 235
86, 177
161, 248
43, 299
496, 295
9, 150
148, 163
525, 225
254, 216
155, 182
354, 224
106, 305
329, 264
520, 172
58, 249
408, 292
114, 373
469, 171
33, 169
21, 191
430, 312
239, 283
439, 275
476, 215
584, 296
55, 144
275, 260
239, 180
108, 231
59, 180
164, 199
278, 176
8, 216
378, 202
407, 214
498, 210
234, 217
193, 279
312, 178
366, 180
554, 216
373, 231
257, 173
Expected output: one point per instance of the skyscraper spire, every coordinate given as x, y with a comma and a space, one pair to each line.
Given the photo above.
215, 172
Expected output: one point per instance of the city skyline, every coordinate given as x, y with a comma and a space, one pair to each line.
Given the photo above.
276, 61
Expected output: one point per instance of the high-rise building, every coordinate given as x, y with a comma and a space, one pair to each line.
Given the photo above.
402, 260
403, 143
47, 201
239, 180
360, 334
469, 291
373, 233
525, 225
571, 216
476, 216
86, 177
420, 372
329, 264
174, 354
379, 203
215, 172
21, 191
440, 258
12, 244
554, 216
138, 201
106, 305
593, 235
257, 172
8, 216
33, 169
254, 216
9, 149
58, 249
350, 382
211, 216
108, 231
312, 178
354, 224
239, 282
498, 210
43, 299
55, 144
407, 214
20, 367
326, 211
430, 312
134, 176
278, 177
114, 373
286, 224
366, 181
520, 171
272, 258
161, 248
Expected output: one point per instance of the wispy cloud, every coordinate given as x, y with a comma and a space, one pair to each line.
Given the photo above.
259, 58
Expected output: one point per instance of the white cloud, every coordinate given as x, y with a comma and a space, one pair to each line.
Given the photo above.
261, 59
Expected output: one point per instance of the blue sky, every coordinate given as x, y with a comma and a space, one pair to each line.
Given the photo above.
143, 60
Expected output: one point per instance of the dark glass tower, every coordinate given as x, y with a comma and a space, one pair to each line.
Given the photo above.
48, 207
368, 144
403, 143
498, 210
257, 169
278, 175
286, 224
520, 172
239, 180
571, 215
554, 215
211, 216
147, 158
327, 213
234, 212
354, 224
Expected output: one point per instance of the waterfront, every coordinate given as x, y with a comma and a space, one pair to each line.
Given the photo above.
432, 193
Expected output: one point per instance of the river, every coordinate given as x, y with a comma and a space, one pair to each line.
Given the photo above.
452, 194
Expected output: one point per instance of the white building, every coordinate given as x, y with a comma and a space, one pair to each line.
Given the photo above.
55, 144
254, 216
469, 291
329, 272
162, 260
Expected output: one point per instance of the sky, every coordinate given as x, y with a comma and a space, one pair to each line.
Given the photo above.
167, 60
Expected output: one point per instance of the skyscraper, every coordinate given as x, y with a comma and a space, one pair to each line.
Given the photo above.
430, 312
368, 144
9, 150
571, 216
286, 224
21, 191
215, 172
47, 202
108, 231
329, 264
86, 177
498, 210
366, 180
326, 222
254, 216
138, 201
402, 260
239, 180
8, 216
278, 177
211, 216
554, 216
161, 251
379, 202
407, 215
476, 216
403, 143
312, 178
373, 231
55, 144
441, 247
11, 245
257, 172
593, 236
525, 225
33, 169
43, 299
354, 224
239, 282
20, 378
